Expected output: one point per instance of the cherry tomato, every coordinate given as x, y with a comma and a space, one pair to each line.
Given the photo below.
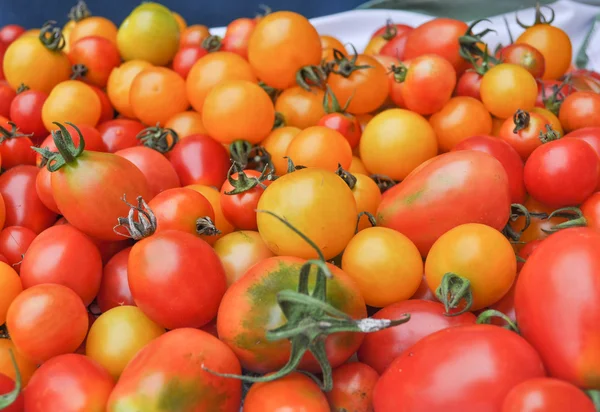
98, 55
578, 110
548, 395
186, 124
524, 132
94, 26
114, 287
469, 84
525, 56
7, 95
237, 36
328, 45
505, 88
320, 147
395, 47
107, 112
567, 182
240, 209
71, 101
344, 123
14, 242
11, 288
193, 35
26, 366
379, 349
10, 33
277, 143
26, 112
214, 197
353, 385
186, 57
367, 196
198, 159
119, 85
554, 44
300, 108
15, 148
119, 134
47, 320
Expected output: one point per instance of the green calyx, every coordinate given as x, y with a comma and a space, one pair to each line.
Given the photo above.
486, 317
279, 121
22, 88
521, 120
549, 135
345, 66
79, 11
212, 43
271, 91
331, 103
78, 71
390, 30
243, 183
470, 49
554, 101
52, 37
161, 139
539, 17
312, 76
9, 398
12, 133
249, 156
67, 152
310, 319
399, 71
575, 216
452, 290
594, 395
516, 211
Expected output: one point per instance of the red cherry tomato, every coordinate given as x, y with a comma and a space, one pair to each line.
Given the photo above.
7, 95
10, 33
118, 134
26, 112
353, 385
186, 57
395, 46
14, 242
198, 159
547, 395
238, 35
107, 111
526, 56
98, 56
15, 148
580, 110
469, 84
345, 123
114, 287
240, 209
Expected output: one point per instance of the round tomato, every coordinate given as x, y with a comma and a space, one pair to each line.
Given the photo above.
579, 110
353, 385
276, 144
193, 35
47, 320
214, 197
469, 84
198, 159
119, 134
505, 88
119, 85
526, 56
395, 47
11, 288
320, 147
71, 101
525, 132
367, 196
114, 288
93, 26
186, 124
345, 123
15, 147
10, 33
98, 56
186, 57
553, 44
14, 242
548, 395
237, 36
118, 335
300, 108
240, 208
26, 112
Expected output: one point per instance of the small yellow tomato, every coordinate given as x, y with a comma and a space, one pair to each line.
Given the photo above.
505, 88
71, 101
119, 85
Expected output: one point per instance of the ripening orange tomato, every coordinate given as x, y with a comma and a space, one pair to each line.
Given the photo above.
213, 69
277, 143
71, 101
554, 44
186, 124
238, 109
10, 287
357, 166
329, 44
119, 85
94, 26
321, 147
299, 107
157, 94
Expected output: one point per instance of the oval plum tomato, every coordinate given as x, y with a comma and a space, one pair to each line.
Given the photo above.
277, 59
300, 196
182, 378
91, 137
395, 142
86, 385
237, 36
525, 131
562, 173
26, 367
427, 84
37, 62
156, 94
578, 110
114, 287
94, 26
10, 33
474, 180
320, 147
506, 155
481, 377
7, 385
554, 44
23, 206
367, 196
240, 208
107, 112
213, 69
186, 124
353, 385
118, 335
459, 119
15, 147
193, 35
438, 36
14, 242
119, 85
65, 256
72, 101
7, 95
379, 349
548, 395
26, 111
294, 392
505, 88
186, 57
300, 108
99, 57
362, 80
47, 320
244, 101
239, 251
198, 159
214, 197
249, 302
469, 84
150, 34
345, 123
489, 268
277, 143
385, 264
119, 134
173, 263
570, 308
328, 45
159, 172
11, 288
525, 56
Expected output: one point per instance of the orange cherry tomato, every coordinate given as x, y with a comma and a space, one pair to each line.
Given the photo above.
71, 101
357, 166
213, 69
329, 44
10, 287
193, 35
281, 44
522, 132
367, 196
300, 108
277, 143
214, 197
94, 26
238, 109
119, 85
321, 147
555, 46
186, 124
157, 94
505, 88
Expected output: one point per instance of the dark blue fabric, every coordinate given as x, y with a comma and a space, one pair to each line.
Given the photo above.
33, 13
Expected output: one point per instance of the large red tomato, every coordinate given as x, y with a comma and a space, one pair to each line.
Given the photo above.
546, 395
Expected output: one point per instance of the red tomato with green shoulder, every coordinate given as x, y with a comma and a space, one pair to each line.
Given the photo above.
557, 309
85, 385
548, 395
433, 376
353, 385
526, 56
449, 190
240, 208
181, 383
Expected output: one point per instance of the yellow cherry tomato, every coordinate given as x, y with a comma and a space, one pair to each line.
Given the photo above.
71, 101
119, 85
505, 88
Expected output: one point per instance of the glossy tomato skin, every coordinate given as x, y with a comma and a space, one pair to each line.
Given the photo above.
182, 378
10, 33
552, 43
379, 349
23, 206
591, 135
507, 87
7, 385
526, 139
173, 263
480, 188
99, 55
418, 380
526, 56
198, 159
570, 305
14, 242
252, 299
505, 154
64, 255
578, 171
548, 395
186, 57
396, 46
26, 112
43, 187
346, 124
114, 287
85, 385
15, 151
119, 134
300, 108
11, 287
237, 36
91, 136
107, 112
240, 209
578, 111
468, 84
353, 385
156, 168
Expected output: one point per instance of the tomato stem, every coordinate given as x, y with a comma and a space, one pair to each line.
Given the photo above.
279, 121
390, 30
539, 16
594, 395
78, 71
9, 398
372, 219
271, 91
243, 183
311, 76
79, 11
52, 37
346, 176
383, 182
486, 317
248, 156
161, 139
521, 120
22, 88
400, 71
291, 166
550, 135
67, 152
331, 103
212, 43
145, 224
346, 66
452, 290
575, 216
516, 211
470, 49
554, 101
13, 133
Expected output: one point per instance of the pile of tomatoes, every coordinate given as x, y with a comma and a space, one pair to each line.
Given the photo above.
271, 220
